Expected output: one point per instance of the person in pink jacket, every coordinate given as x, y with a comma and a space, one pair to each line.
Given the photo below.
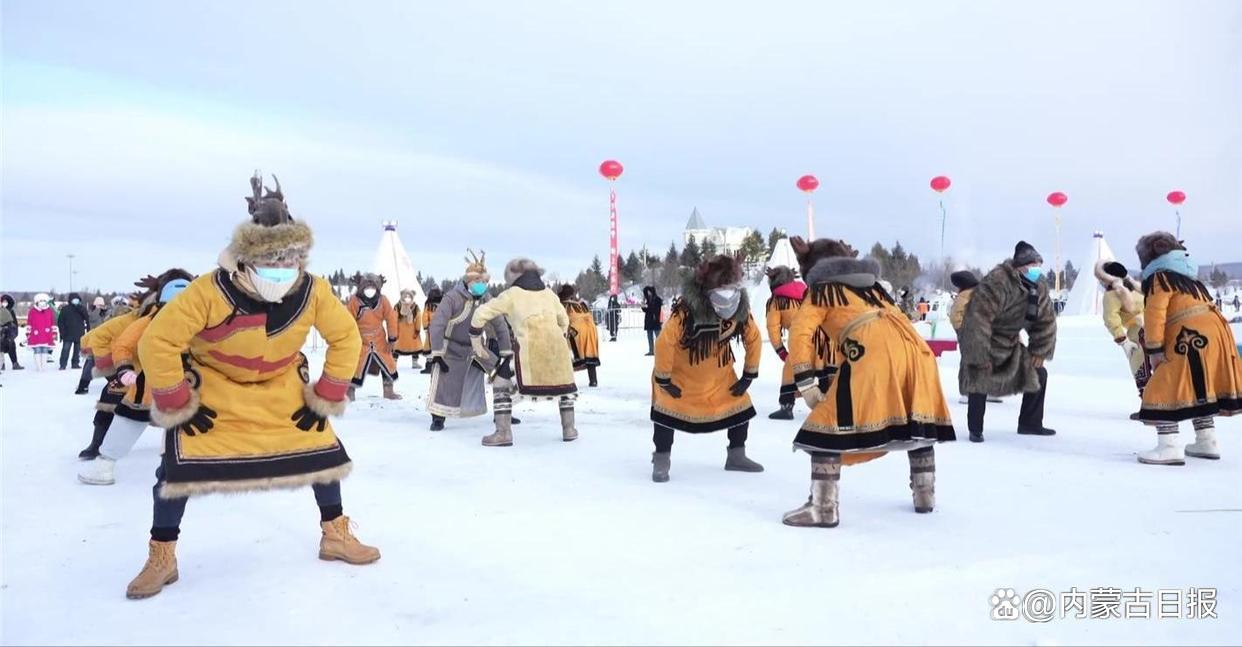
41, 329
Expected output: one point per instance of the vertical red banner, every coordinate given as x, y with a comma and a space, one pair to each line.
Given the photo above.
614, 253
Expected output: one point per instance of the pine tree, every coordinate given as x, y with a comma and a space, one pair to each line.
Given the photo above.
708, 249
632, 269
691, 255
774, 237
672, 258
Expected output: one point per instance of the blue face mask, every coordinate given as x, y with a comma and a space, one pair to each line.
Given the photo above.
277, 274
1033, 274
478, 289
172, 289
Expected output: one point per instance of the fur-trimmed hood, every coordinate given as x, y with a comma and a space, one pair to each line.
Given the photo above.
849, 271
1126, 288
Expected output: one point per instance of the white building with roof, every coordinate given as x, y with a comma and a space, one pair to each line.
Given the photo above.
726, 239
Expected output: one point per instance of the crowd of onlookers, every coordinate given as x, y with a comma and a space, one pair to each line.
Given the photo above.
48, 323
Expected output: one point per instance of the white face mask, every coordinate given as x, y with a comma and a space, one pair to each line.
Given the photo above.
270, 291
369, 292
725, 301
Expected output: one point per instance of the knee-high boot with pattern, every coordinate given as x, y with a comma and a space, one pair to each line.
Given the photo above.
820, 510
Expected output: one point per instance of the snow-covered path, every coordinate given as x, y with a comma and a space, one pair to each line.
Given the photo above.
551, 542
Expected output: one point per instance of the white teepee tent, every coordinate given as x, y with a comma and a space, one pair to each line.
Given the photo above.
1086, 297
392, 261
782, 254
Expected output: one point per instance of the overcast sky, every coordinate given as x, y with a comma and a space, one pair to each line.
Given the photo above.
130, 128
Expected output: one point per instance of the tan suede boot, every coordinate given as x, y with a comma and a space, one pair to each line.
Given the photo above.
504, 432
389, 393
339, 542
159, 571
820, 511
568, 430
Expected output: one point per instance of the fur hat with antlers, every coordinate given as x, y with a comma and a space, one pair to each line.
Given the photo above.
271, 236
476, 267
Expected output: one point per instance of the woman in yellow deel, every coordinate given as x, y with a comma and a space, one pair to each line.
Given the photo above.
694, 385
583, 333
242, 413
886, 395
1196, 372
131, 415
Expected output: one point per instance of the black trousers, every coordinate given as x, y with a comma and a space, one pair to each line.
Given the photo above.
167, 513
65, 345
1031, 416
663, 437
591, 374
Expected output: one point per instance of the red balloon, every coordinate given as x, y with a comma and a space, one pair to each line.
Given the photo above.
1176, 197
808, 183
940, 184
1057, 199
611, 169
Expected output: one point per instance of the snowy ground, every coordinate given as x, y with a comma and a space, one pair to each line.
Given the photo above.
551, 542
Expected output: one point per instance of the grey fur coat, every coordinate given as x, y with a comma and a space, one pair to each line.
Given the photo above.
994, 361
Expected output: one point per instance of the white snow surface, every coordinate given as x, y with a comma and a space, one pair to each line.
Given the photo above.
571, 543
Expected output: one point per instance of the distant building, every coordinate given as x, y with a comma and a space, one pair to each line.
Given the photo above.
726, 239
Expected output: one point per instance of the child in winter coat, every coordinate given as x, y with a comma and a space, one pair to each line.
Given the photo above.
41, 331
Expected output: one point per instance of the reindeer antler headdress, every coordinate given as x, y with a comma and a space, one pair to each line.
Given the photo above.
476, 267
271, 236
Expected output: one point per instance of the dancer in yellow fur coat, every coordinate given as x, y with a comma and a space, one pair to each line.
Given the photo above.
583, 333
886, 395
695, 387
787, 293
234, 392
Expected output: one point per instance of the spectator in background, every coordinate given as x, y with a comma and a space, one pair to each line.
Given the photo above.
613, 317
8, 333
98, 313
1237, 303
923, 308
653, 307
41, 330
73, 322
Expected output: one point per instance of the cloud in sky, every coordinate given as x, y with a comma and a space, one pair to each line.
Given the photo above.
130, 128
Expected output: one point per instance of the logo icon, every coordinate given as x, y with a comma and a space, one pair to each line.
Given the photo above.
1006, 605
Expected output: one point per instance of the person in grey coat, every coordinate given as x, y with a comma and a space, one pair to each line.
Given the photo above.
1010, 299
457, 379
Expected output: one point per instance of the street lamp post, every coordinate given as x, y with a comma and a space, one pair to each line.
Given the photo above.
70, 257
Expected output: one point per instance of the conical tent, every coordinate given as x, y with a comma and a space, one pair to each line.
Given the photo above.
782, 254
392, 261
1086, 297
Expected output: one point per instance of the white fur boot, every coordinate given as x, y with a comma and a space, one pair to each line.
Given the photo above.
1167, 451
122, 435
1205, 440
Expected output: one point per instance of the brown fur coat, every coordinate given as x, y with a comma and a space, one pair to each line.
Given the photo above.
994, 361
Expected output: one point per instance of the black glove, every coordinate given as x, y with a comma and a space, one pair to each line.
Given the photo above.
304, 419
740, 387
436, 361
200, 422
504, 370
672, 390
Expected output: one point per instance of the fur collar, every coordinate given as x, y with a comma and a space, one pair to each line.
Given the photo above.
1126, 288
853, 272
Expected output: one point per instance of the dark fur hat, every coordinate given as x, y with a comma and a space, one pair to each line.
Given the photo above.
567, 292
1024, 254
964, 280
435, 295
718, 272
519, 266
1155, 245
810, 253
780, 275
362, 281
1114, 269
